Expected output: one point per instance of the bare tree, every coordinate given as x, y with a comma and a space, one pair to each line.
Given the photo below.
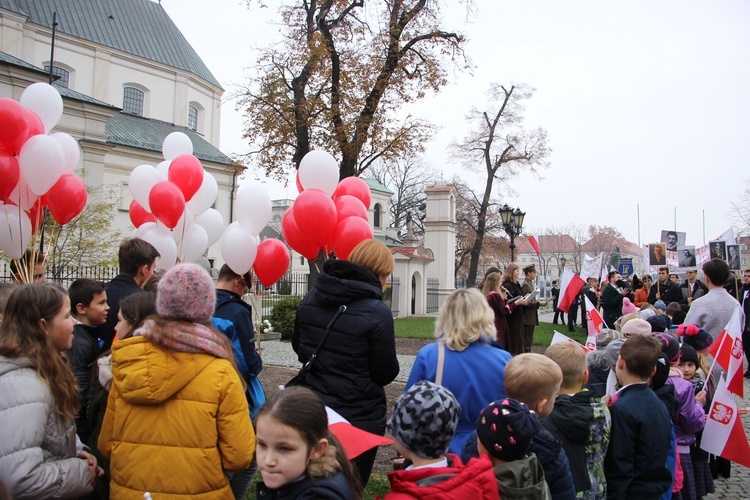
408, 178
740, 213
502, 147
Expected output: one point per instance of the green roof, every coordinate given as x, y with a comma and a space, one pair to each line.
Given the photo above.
149, 134
376, 186
7, 58
138, 27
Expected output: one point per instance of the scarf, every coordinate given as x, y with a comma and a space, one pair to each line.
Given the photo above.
184, 337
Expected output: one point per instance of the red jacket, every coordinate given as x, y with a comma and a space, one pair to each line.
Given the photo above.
475, 480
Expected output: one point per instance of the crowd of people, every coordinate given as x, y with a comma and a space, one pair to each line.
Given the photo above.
149, 383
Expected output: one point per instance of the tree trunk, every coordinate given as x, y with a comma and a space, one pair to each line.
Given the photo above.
476, 249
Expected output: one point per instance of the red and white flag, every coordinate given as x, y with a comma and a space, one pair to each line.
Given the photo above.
558, 337
727, 350
723, 434
594, 320
570, 286
534, 242
355, 441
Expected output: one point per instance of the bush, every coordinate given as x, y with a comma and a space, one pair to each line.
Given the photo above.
283, 314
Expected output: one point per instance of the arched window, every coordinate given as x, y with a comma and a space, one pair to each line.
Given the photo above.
192, 118
376, 215
63, 75
132, 101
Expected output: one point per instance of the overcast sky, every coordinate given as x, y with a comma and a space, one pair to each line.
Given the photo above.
645, 103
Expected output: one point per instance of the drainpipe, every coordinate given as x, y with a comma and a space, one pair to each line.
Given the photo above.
231, 198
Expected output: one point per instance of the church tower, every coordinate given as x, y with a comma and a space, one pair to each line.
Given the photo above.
440, 237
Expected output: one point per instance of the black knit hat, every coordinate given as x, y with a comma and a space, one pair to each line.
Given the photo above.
662, 372
506, 428
670, 346
424, 419
688, 355
694, 336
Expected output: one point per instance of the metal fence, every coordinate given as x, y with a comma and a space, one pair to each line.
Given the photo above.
65, 275
433, 286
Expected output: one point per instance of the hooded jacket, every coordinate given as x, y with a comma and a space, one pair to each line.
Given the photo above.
174, 422
522, 479
475, 480
358, 358
37, 449
231, 307
690, 418
598, 365
582, 423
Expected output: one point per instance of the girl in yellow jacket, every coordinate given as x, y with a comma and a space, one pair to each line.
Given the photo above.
177, 416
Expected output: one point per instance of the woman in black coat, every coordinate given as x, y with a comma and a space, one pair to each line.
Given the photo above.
515, 320
358, 358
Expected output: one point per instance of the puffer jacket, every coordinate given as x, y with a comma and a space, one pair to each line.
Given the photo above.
474, 480
358, 357
522, 479
333, 487
174, 422
37, 449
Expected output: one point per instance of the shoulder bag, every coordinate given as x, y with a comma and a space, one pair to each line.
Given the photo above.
299, 379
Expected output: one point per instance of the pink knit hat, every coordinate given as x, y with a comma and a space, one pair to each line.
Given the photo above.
634, 326
186, 292
627, 306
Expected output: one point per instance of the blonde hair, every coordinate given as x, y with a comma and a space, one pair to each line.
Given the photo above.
531, 377
491, 283
703, 364
375, 256
465, 318
572, 361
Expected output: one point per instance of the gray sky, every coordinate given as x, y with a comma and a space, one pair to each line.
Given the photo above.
645, 103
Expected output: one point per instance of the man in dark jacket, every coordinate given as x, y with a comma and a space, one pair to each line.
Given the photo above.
692, 289
664, 289
358, 357
137, 260
611, 299
555, 300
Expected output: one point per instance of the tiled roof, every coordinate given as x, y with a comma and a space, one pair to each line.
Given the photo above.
414, 253
138, 27
149, 134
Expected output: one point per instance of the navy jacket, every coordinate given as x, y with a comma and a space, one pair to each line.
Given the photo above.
118, 288
82, 357
335, 487
358, 358
636, 464
231, 308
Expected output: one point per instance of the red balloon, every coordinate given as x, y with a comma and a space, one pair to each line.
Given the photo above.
349, 233
66, 198
349, 206
315, 215
10, 173
139, 215
36, 215
294, 238
36, 126
299, 184
14, 125
271, 261
167, 203
186, 172
356, 187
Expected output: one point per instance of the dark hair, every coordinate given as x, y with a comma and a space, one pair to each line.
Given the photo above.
152, 283
665, 269
226, 274
670, 233
610, 274
640, 353
135, 308
134, 253
304, 411
22, 335
19, 267
82, 291
5, 290
716, 270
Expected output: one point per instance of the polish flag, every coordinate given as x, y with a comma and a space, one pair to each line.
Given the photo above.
534, 242
558, 337
723, 434
594, 320
570, 286
727, 350
355, 441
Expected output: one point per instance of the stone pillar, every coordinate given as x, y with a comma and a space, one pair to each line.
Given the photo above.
440, 236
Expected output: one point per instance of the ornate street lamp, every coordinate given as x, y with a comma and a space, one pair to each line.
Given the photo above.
563, 260
512, 225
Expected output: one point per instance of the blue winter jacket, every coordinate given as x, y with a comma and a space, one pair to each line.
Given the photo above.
234, 318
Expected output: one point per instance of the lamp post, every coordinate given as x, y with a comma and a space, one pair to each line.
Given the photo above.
512, 225
563, 260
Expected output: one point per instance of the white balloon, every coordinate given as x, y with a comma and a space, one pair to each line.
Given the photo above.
183, 225
22, 195
253, 208
143, 229
142, 179
176, 144
41, 161
206, 195
15, 231
238, 249
44, 100
213, 223
71, 151
194, 245
319, 170
164, 243
163, 169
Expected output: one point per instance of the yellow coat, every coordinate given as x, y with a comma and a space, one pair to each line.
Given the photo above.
174, 423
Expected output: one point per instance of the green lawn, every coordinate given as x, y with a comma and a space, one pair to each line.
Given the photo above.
423, 327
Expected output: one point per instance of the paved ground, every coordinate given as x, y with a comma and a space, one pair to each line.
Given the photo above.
736, 487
